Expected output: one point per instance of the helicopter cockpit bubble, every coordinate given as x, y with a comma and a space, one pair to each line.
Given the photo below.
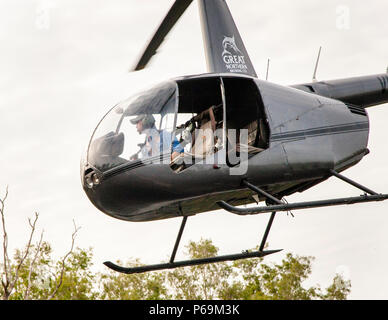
138, 128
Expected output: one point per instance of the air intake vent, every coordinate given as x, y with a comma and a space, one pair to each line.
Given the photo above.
357, 110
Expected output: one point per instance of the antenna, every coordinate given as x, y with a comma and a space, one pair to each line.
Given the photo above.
316, 65
266, 77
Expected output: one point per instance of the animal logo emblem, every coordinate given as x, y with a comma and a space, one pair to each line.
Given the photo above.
229, 43
232, 56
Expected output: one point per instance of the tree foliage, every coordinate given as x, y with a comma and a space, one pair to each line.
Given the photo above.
46, 279
249, 279
33, 273
144, 286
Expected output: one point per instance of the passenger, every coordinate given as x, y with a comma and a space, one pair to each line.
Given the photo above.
156, 142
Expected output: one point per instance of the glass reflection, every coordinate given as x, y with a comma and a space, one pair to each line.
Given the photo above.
139, 128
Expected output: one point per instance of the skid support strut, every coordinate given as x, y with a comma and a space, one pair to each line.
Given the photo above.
353, 183
178, 239
270, 199
266, 233
302, 205
280, 206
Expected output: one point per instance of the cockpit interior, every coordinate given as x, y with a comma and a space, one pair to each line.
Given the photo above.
181, 123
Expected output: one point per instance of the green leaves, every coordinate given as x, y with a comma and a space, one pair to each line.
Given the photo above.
34, 274
249, 279
145, 286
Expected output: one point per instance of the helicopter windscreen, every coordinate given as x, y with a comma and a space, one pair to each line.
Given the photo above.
138, 128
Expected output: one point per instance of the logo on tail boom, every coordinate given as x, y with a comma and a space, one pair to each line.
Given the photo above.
232, 56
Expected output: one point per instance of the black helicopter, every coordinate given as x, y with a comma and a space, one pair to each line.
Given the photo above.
225, 139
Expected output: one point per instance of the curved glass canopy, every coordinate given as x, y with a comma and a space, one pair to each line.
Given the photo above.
138, 128
148, 127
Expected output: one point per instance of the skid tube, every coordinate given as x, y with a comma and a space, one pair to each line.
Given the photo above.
301, 205
277, 205
186, 263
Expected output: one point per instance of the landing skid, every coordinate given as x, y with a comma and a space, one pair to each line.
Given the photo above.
273, 205
302, 205
194, 262
280, 206
186, 263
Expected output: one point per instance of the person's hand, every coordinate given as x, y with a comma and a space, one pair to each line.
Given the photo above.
134, 157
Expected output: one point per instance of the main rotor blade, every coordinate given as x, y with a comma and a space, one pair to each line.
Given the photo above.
173, 15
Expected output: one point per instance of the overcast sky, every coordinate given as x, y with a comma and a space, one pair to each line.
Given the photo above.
65, 63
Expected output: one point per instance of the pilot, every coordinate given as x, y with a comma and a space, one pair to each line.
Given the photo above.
156, 142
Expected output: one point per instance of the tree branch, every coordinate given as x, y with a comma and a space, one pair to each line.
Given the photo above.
28, 247
31, 268
5, 281
73, 236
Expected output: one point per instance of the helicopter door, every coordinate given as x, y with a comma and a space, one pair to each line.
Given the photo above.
199, 124
246, 125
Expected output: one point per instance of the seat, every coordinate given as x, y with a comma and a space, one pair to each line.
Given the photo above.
105, 151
